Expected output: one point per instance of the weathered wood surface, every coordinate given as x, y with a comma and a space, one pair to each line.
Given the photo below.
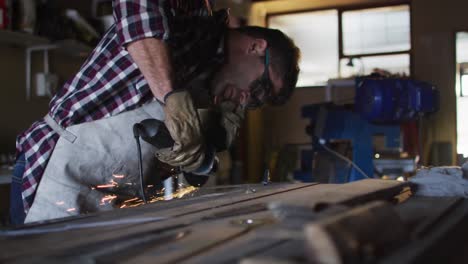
225, 226
361, 234
439, 231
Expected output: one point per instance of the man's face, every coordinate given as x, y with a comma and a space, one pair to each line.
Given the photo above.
243, 77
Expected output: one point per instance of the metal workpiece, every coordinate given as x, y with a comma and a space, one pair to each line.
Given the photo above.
365, 221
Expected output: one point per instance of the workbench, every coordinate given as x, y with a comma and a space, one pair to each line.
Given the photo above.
367, 221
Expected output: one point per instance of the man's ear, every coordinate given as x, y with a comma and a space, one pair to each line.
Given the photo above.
257, 46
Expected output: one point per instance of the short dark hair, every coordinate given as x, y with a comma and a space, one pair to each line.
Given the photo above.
284, 59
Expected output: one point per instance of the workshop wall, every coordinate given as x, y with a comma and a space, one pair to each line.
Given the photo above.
434, 25
16, 113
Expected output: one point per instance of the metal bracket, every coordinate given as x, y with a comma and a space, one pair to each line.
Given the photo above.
29, 51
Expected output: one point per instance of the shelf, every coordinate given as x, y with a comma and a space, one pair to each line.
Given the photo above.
31, 43
73, 48
25, 40
21, 39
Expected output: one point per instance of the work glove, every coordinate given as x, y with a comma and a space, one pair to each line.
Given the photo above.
183, 123
231, 119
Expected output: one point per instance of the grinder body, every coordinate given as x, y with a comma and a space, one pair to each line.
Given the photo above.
154, 132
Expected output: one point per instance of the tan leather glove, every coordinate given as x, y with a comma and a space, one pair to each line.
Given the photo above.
183, 123
231, 119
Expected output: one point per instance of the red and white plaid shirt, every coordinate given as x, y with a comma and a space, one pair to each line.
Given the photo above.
110, 83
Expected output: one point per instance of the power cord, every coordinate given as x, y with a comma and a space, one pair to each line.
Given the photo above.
136, 134
323, 143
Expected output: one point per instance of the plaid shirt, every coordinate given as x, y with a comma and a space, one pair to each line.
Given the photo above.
110, 83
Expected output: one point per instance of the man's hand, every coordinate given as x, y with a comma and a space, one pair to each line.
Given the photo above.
183, 124
231, 119
152, 57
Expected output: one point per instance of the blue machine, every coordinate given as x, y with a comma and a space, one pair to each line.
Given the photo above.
392, 101
380, 106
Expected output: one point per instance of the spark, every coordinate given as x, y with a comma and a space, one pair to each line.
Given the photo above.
155, 199
184, 191
131, 200
108, 198
111, 184
71, 209
105, 186
118, 176
60, 203
134, 202
150, 186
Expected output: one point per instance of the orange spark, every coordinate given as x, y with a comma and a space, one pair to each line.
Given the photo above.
108, 198
105, 186
130, 200
134, 202
184, 191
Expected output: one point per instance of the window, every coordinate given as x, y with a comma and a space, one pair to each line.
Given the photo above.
370, 38
376, 30
315, 33
462, 93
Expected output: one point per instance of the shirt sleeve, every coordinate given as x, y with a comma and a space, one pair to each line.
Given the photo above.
139, 19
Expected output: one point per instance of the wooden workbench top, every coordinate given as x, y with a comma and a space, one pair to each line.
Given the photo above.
224, 224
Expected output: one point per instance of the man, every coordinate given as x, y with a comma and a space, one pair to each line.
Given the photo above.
150, 64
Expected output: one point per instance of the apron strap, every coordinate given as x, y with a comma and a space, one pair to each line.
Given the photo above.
59, 129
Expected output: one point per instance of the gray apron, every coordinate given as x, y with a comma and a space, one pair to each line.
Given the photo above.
92, 165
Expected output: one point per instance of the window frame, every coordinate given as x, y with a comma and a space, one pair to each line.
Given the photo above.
357, 7
463, 71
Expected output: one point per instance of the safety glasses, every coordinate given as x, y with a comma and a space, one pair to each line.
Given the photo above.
260, 88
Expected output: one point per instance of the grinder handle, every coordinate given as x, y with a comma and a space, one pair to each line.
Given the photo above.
154, 132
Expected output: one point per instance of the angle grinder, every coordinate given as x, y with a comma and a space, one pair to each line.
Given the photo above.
155, 133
